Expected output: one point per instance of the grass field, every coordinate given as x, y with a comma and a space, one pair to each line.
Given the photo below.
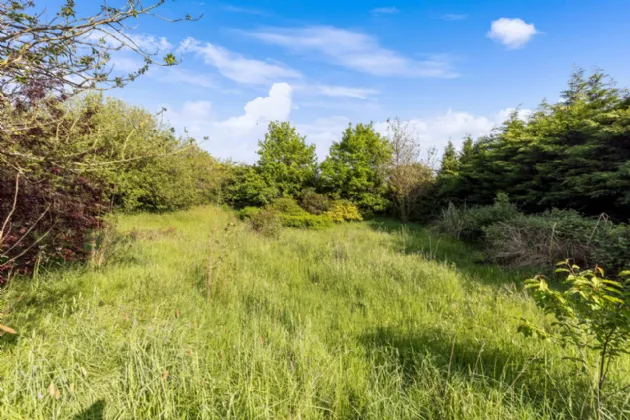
363, 321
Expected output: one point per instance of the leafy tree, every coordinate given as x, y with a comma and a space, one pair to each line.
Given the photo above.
357, 167
245, 187
286, 161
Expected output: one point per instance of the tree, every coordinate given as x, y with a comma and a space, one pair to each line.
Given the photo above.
286, 161
450, 162
448, 174
65, 54
246, 187
409, 179
466, 154
52, 177
572, 154
357, 167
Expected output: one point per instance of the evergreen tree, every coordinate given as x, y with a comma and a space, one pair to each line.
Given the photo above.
572, 154
465, 156
450, 163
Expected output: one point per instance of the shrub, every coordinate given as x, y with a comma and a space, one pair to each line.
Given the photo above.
314, 203
246, 187
344, 211
307, 221
452, 220
267, 222
248, 212
370, 203
592, 313
612, 247
50, 200
541, 240
289, 206
469, 223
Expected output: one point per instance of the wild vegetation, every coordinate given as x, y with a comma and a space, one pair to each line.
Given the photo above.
141, 277
199, 316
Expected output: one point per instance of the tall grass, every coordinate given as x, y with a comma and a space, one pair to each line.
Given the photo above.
356, 321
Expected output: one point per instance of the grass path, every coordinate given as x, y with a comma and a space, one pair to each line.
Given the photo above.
359, 321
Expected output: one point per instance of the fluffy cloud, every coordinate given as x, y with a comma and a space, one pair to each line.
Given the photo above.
513, 33
353, 50
236, 67
236, 137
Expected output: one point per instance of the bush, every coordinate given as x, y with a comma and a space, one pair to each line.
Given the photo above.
248, 212
612, 247
51, 195
541, 240
246, 187
289, 206
372, 203
468, 223
591, 313
267, 222
292, 215
314, 203
307, 221
344, 211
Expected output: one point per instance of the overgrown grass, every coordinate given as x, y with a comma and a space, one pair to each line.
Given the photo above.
369, 320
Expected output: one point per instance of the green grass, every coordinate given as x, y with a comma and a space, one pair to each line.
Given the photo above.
364, 321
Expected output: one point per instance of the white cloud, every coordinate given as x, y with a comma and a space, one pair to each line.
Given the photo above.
323, 132
432, 132
454, 16
345, 92
276, 106
151, 43
236, 137
197, 110
384, 11
513, 33
236, 67
353, 50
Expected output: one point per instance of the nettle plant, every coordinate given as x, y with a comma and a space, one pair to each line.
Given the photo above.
593, 314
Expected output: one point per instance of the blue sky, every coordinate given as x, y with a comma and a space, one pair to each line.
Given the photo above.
450, 68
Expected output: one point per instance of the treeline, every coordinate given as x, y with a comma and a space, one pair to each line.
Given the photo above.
540, 188
78, 160
573, 154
